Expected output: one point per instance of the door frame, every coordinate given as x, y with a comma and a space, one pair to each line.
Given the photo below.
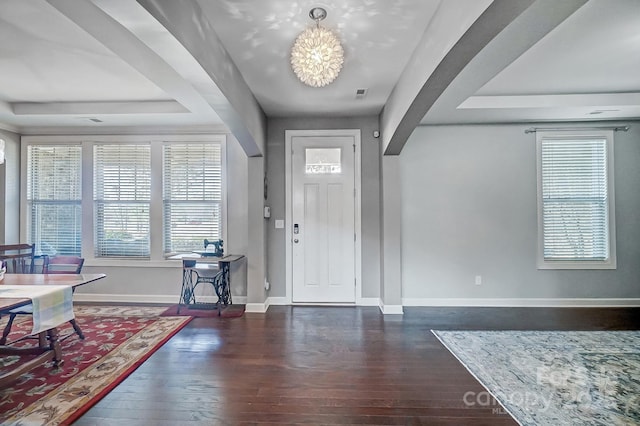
289, 135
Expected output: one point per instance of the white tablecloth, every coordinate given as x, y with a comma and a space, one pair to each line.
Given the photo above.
51, 305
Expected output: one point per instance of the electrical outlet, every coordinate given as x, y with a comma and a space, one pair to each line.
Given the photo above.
478, 279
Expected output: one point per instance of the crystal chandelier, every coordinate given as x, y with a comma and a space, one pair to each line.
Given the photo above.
317, 55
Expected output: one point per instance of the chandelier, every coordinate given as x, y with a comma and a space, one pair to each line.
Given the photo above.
317, 55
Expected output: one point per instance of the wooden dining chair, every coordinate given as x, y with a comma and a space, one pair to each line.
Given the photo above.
63, 265
51, 265
19, 258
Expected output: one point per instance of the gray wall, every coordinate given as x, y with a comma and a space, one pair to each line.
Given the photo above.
10, 189
469, 208
370, 197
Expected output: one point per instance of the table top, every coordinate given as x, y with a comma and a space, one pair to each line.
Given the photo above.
196, 256
73, 280
8, 303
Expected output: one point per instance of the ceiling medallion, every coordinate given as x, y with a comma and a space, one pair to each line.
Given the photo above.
317, 55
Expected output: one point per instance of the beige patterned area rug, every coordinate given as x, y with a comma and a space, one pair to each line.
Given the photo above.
553, 377
118, 340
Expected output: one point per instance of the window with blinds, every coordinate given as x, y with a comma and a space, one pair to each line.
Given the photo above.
192, 195
122, 197
575, 200
54, 198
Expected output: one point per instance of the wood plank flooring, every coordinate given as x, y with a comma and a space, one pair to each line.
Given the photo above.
325, 365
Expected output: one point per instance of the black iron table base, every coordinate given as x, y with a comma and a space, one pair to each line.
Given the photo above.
220, 282
204, 270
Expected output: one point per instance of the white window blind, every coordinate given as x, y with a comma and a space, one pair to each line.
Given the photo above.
192, 195
54, 196
122, 196
575, 199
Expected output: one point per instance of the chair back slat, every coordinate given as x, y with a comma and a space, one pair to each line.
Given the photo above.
18, 258
63, 265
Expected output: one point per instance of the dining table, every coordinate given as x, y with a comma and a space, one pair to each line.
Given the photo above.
18, 290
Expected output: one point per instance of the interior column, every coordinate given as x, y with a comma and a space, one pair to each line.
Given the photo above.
391, 286
256, 252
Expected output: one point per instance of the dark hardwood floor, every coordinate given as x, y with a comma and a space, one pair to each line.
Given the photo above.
325, 365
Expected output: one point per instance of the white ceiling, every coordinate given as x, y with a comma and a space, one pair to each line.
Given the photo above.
64, 62
378, 36
46, 58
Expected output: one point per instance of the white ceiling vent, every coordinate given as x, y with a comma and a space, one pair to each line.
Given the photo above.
361, 93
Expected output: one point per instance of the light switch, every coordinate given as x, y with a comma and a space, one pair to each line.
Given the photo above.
279, 223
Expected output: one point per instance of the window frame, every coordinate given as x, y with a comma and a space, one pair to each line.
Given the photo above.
610, 262
157, 256
221, 202
103, 201
29, 203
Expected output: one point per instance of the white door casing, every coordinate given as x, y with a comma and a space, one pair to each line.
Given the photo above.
323, 216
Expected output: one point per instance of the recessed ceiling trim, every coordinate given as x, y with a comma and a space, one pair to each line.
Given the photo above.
599, 100
107, 108
123, 130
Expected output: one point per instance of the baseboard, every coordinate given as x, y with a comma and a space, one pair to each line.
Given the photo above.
365, 301
239, 300
277, 301
385, 309
391, 309
163, 299
368, 301
525, 302
126, 298
259, 308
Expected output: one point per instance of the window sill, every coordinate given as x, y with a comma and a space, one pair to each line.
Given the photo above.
133, 263
577, 265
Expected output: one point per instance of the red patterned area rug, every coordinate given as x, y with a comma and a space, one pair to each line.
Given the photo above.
118, 339
229, 311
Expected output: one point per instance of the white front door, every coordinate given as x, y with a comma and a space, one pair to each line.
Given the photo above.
323, 219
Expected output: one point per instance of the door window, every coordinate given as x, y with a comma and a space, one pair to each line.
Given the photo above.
323, 161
